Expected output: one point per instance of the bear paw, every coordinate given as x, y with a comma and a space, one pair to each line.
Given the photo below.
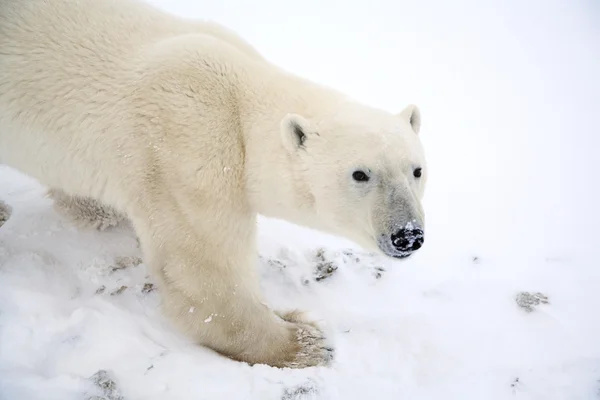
312, 347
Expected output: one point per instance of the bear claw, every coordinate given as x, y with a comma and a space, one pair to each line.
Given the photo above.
313, 350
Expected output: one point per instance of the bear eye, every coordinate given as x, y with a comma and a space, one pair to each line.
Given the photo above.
417, 172
360, 176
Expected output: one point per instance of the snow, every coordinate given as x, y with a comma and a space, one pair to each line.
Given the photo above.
502, 301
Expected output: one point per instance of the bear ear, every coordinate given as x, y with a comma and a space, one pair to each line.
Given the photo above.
295, 129
412, 115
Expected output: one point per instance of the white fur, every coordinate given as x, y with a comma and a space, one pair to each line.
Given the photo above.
183, 128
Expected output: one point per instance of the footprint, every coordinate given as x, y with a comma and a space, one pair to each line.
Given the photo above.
104, 383
324, 268
126, 262
529, 301
5, 212
308, 390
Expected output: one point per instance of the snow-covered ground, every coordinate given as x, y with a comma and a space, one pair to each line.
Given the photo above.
502, 302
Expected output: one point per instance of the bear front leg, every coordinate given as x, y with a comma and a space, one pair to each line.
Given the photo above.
210, 289
85, 212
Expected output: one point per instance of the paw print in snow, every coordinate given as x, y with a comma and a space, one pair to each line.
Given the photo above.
329, 261
324, 268
308, 390
148, 287
118, 291
5, 212
276, 264
367, 263
529, 301
126, 262
104, 383
378, 272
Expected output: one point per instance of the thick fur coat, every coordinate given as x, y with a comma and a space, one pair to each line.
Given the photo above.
185, 130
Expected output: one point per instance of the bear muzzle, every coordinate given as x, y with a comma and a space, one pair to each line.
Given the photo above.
403, 242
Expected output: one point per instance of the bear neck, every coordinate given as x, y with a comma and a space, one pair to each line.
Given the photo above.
275, 187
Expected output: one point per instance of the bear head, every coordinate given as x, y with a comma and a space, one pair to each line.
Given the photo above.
365, 172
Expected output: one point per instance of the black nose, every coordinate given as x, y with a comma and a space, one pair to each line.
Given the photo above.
408, 239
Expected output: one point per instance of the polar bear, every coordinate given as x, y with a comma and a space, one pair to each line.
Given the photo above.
185, 130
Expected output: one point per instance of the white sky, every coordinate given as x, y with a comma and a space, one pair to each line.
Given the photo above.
509, 92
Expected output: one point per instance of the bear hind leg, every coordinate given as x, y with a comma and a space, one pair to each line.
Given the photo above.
85, 212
